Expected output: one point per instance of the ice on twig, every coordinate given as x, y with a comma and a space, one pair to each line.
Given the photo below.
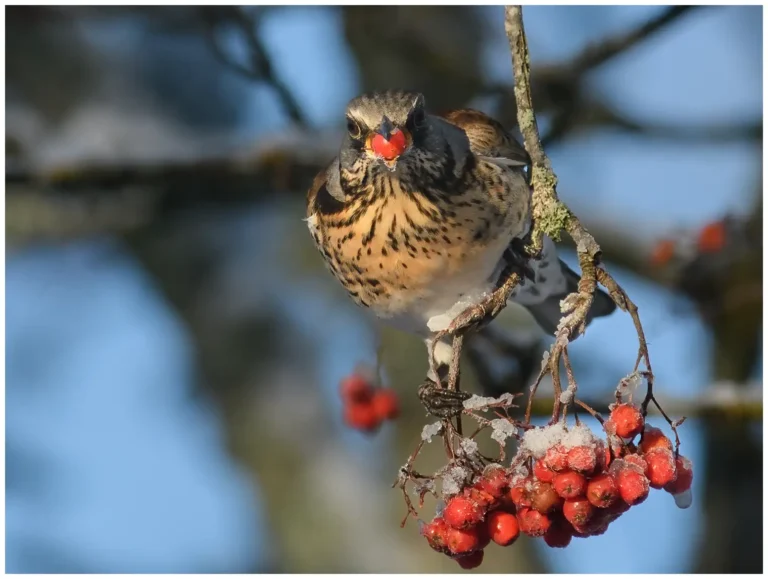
453, 480
478, 402
481, 402
566, 397
424, 486
469, 446
629, 384
431, 430
502, 429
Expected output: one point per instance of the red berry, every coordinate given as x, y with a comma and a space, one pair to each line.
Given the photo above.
462, 513
389, 149
542, 472
636, 460
556, 458
661, 468
569, 484
471, 561
627, 420
518, 494
494, 482
435, 532
483, 499
603, 457
355, 388
684, 476
464, 541
712, 237
633, 486
663, 252
582, 459
602, 491
533, 523
577, 511
559, 534
361, 416
544, 498
503, 528
653, 438
386, 404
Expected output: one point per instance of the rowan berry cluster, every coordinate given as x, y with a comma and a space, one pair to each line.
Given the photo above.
366, 405
562, 483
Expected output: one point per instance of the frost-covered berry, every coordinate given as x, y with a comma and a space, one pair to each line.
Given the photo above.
483, 499
602, 491
556, 458
653, 438
577, 511
435, 533
627, 420
633, 485
532, 522
684, 476
518, 493
661, 468
542, 472
544, 498
386, 404
636, 460
569, 484
582, 459
503, 528
494, 482
462, 513
471, 561
464, 541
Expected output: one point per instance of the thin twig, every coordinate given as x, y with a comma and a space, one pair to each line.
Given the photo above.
260, 66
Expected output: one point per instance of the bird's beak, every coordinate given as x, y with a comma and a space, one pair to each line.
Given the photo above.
385, 129
388, 142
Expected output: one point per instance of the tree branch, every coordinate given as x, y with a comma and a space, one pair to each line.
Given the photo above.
597, 54
260, 67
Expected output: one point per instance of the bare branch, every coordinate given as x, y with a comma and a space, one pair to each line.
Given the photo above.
259, 67
595, 55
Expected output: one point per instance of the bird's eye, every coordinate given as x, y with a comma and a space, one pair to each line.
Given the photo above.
418, 117
353, 128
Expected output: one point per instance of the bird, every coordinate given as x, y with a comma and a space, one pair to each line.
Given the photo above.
420, 216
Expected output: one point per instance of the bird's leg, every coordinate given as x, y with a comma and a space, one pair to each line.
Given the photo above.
442, 402
454, 371
475, 316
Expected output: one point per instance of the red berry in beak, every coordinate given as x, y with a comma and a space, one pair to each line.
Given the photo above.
389, 149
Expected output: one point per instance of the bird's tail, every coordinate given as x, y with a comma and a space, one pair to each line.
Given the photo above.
547, 313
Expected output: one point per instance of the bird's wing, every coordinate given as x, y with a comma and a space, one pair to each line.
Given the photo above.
488, 138
320, 203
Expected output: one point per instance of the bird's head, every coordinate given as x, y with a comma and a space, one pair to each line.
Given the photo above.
391, 130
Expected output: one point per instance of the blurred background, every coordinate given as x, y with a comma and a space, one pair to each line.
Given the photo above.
174, 343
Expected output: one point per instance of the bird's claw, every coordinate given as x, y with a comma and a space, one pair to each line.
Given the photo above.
442, 402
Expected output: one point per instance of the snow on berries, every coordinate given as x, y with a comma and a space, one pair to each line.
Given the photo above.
564, 483
366, 405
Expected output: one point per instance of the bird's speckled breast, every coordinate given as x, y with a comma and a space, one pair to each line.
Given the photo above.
402, 252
